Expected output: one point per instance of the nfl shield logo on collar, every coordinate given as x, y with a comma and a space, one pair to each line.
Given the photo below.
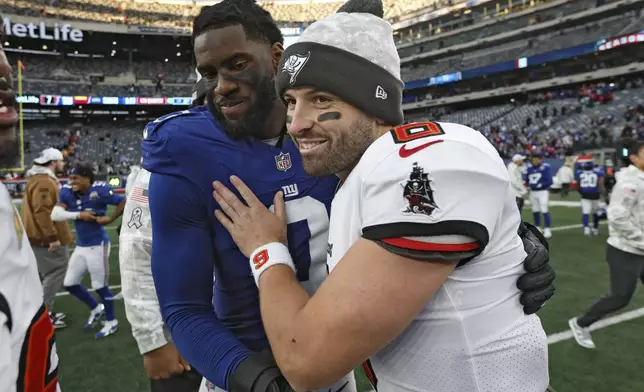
283, 161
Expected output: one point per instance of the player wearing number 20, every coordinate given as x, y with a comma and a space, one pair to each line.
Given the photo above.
539, 179
590, 181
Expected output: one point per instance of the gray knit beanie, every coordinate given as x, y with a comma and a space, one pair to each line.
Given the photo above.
350, 54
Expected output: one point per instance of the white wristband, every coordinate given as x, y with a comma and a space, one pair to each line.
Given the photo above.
267, 256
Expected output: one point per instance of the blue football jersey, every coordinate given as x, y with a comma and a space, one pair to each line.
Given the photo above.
539, 177
96, 199
192, 145
588, 182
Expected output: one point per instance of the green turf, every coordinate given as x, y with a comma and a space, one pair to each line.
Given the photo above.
113, 364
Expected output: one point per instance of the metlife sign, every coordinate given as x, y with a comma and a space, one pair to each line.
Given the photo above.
63, 32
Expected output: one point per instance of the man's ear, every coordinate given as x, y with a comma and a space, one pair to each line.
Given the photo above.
276, 52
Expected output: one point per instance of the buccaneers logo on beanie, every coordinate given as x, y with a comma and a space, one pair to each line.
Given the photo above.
352, 55
294, 64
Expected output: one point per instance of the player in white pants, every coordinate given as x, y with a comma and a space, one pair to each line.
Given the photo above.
539, 200
590, 208
539, 179
92, 259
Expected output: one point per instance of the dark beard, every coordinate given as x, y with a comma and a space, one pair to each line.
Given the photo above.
10, 154
254, 123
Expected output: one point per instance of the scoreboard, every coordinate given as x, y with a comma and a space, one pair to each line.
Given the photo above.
65, 100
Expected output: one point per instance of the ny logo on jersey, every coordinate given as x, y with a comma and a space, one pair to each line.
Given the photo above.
290, 190
283, 161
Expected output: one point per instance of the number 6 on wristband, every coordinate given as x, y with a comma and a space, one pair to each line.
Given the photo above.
308, 225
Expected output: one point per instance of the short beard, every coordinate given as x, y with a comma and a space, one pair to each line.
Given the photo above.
255, 121
10, 153
345, 150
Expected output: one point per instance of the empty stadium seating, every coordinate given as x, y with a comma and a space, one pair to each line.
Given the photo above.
563, 38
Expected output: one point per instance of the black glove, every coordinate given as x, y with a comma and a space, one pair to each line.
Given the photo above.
538, 283
258, 373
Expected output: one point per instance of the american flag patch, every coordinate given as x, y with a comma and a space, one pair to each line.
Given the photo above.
139, 194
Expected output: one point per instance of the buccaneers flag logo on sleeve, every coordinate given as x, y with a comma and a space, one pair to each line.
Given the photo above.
418, 193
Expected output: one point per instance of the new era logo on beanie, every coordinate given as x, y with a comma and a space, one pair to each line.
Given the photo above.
352, 55
381, 93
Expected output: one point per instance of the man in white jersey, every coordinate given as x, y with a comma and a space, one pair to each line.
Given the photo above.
423, 245
28, 359
163, 364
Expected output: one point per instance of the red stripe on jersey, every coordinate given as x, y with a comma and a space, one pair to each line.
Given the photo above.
36, 371
430, 246
371, 375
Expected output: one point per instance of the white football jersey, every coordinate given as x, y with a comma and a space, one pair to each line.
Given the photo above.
440, 191
28, 359
135, 254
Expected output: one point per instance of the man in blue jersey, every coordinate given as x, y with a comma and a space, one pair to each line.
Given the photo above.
590, 182
539, 179
85, 201
241, 131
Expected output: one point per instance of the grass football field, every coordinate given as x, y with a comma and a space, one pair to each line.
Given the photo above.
114, 364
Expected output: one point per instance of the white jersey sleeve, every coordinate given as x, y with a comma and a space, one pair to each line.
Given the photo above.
435, 198
27, 338
129, 182
8, 369
135, 251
